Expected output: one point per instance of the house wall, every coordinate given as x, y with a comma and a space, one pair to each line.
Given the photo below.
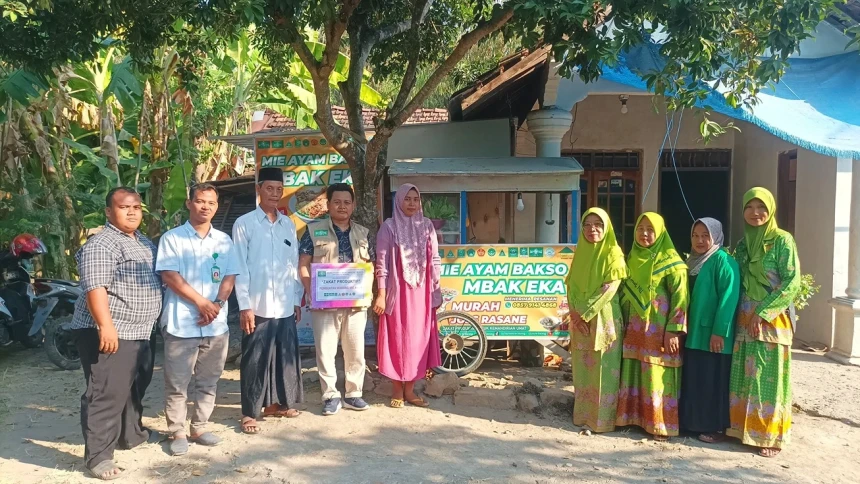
823, 186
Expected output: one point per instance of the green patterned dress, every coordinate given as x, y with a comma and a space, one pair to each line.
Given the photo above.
596, 359
760, 387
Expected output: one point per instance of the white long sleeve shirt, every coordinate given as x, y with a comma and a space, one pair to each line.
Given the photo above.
267, 257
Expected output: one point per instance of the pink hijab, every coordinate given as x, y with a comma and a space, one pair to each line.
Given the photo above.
411, 234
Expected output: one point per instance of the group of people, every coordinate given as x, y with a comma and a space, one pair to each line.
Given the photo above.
184, 285
729, 319
701, 345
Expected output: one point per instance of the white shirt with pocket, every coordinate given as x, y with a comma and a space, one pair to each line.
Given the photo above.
203, 262
267, 257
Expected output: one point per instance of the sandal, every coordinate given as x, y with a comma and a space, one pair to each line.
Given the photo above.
712, 438
396, 403
769, 452
106, 470
250, 426
419, 402
282, 412
661, 438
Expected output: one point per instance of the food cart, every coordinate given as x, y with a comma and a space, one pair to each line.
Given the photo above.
496, 291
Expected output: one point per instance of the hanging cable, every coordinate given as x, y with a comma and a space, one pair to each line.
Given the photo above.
669, 123
675, 166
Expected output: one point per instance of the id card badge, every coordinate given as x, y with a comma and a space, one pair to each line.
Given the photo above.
216, 271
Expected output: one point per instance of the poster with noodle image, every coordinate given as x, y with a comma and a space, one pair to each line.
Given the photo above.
310, 165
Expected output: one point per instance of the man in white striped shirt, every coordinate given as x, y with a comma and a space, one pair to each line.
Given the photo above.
269, 293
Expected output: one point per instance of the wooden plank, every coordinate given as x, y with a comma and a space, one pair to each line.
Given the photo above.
526, 65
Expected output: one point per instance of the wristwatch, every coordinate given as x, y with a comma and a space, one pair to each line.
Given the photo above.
220, 303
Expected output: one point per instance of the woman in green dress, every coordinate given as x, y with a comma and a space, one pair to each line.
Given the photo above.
714, 291
595, 322
654, 302
760, 388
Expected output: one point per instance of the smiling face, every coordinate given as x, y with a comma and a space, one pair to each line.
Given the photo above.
756, 213
202, 207
701, 239
411, 203
646, 235
593, 228
341, 206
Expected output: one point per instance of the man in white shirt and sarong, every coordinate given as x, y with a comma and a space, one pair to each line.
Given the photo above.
195, 263
269, 293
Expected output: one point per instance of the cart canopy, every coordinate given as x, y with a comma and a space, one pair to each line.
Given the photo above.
496, 174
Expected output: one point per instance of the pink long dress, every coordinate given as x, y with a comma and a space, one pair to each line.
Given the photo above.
408, 343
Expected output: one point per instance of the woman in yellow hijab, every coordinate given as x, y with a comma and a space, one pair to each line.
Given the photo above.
760, 384
654, 300
595, 322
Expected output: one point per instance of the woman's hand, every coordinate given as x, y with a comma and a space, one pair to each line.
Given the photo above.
717, 343
671, 343
754, 325
379, 305
578, 323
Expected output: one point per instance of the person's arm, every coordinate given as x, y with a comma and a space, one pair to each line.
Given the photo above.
243, 279
306, 256
788, 265
436, 262
383, 244
603, 296
728, 286
97, 267
676, 283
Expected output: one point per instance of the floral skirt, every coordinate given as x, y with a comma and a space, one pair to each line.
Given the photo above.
648, 397
760, 394
596, 376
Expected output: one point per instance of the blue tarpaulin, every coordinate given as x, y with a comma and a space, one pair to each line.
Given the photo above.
816, 104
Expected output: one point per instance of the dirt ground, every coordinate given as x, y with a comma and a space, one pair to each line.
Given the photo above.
40, 439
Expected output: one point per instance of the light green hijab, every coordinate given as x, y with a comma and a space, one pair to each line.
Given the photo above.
754, 276
648, 266
595, 264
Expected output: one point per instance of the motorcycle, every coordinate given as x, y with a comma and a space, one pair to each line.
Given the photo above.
40, 310
18, 293
55, 306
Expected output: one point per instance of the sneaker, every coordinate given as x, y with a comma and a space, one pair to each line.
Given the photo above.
331, 406
356, 403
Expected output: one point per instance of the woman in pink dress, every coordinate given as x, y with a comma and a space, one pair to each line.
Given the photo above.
407, 274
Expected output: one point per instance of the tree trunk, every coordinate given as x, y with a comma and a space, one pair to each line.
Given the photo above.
109, 147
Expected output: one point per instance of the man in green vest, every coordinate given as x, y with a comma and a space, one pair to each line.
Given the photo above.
337, 239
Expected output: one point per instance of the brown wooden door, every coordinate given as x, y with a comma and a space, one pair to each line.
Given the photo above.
786, 193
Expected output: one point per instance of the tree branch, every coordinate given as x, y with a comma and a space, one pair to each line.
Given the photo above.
412, 67
389, 31
334, 31
359, 51
467, 42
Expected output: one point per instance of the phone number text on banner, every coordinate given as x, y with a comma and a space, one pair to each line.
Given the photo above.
513, 292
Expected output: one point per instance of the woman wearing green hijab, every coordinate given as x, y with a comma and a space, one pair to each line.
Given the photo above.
760, 384
654, 301
595, 322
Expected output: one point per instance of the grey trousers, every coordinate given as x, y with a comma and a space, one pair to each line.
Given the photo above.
347, 326
202, 358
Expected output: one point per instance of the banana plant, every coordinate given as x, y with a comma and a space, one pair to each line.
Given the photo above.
110, 85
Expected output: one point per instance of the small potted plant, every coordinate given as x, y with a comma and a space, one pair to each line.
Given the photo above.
439, 210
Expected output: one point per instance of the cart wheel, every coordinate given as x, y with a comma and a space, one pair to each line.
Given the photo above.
464, 344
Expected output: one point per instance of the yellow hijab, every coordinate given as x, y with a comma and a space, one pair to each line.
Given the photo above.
648, 266
754, 276
595, 263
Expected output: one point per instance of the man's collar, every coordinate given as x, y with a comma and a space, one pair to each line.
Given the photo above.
193, 231
135, 235
262, 215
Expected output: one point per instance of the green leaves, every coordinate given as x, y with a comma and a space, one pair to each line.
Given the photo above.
22, 86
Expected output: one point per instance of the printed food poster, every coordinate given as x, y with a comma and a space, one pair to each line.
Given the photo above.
310, 165
512, 291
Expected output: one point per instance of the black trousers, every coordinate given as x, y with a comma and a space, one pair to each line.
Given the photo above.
112, 405
271, 368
